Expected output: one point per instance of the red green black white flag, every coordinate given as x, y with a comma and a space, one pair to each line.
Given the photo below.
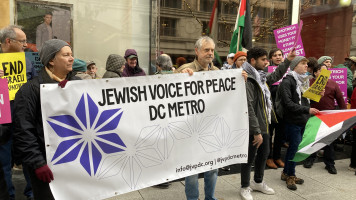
323, 129
243, 28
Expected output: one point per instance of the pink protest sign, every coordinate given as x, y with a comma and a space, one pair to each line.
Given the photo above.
5, 112
288, 38
339, 75
271, 69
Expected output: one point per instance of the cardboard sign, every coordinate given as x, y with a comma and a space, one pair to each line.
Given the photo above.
5, 111
34, 58
272, 68
288, 38
318, 86
14, 67
339, 75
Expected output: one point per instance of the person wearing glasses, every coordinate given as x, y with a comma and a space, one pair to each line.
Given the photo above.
13, 39
239, 58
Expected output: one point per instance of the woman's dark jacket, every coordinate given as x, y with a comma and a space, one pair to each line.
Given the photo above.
28, 140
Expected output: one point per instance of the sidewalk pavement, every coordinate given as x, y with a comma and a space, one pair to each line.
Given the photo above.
318, 185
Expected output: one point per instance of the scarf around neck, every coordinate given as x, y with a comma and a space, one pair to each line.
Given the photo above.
302, 83
52, 76
261, 77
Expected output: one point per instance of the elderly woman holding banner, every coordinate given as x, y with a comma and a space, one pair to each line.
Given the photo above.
29, 142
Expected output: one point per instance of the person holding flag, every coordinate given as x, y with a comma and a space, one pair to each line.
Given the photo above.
296, 111
261, 115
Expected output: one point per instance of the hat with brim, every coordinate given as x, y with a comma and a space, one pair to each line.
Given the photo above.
90, 63
132, 56
231, 55
352, 58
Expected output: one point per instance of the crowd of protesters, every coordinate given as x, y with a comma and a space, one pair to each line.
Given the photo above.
281, 110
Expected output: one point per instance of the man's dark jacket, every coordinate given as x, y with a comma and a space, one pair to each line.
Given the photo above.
258, 118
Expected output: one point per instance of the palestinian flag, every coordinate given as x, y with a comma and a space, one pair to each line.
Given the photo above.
243, 28
213, 28
323, 129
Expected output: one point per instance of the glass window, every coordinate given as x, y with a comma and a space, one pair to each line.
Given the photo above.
205, 28
168, 26
94, 29
225, 31
266, 18
328, 29
171, 3
206, 5
229, 7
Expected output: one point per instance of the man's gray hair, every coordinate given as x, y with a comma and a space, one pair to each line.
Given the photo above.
165, 62
8, 32
199, 42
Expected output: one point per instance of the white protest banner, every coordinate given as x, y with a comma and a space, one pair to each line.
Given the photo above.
111, 136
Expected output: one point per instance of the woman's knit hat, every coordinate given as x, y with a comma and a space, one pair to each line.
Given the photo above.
79, 65
239, 54
50, 48
322, 59
296, 61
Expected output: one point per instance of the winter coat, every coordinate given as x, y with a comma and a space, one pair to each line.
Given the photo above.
114, 64
195, 66
258, 117
293, 112
28, 137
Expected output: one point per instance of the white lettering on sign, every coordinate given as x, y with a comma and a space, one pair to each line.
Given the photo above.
2, 99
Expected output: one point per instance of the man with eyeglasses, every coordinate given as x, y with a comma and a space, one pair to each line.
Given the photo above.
13, 40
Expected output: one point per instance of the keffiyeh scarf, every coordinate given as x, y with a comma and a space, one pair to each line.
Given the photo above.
261, 77
302, 83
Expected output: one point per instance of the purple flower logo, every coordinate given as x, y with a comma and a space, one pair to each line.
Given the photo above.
89, 135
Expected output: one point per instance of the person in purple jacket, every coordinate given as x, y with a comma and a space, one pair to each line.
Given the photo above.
132, 67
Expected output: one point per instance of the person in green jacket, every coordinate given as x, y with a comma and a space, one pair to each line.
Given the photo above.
350, 65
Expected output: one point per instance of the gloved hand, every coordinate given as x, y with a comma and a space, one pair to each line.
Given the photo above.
44, 173
63, 83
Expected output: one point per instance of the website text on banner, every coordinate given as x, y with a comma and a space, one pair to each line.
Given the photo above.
121, 135
286, 38
5, 112
14, 67
339, 75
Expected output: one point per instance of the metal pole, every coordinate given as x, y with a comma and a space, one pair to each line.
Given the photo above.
295, 11
238, 40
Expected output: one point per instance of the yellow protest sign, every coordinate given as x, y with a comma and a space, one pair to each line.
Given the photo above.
14, 67
318, 86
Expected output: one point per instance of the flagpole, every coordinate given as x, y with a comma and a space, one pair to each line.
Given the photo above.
236, 25
238, 40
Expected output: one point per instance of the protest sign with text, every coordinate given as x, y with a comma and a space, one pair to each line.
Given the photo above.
339, 75
121, 135
314, 91
288, 38
34, 58
272, 68
14, 67
5, 112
